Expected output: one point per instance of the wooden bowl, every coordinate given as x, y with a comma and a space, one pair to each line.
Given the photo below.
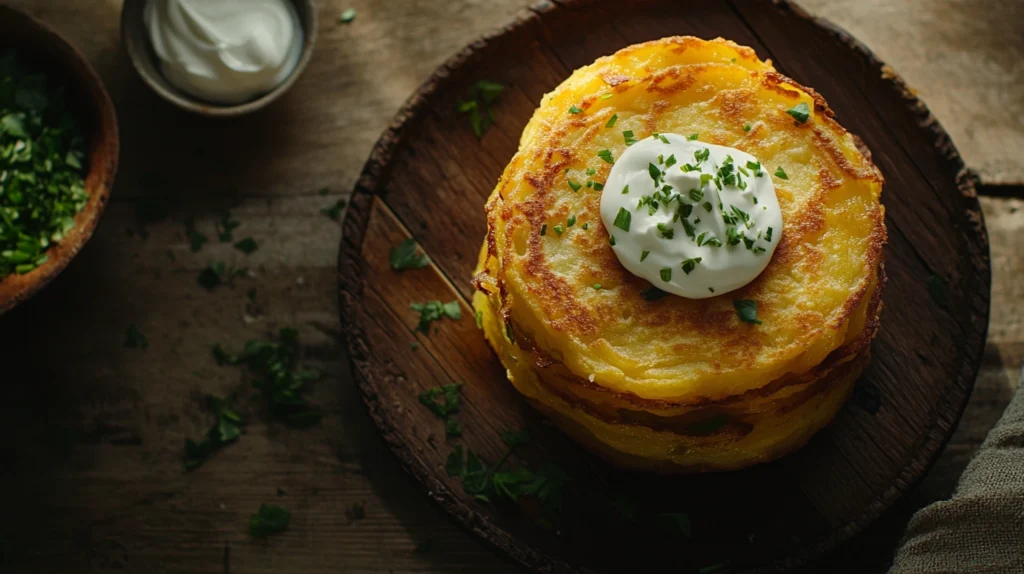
140, 52
61, 62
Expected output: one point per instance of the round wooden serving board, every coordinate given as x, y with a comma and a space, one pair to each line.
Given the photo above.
428, 178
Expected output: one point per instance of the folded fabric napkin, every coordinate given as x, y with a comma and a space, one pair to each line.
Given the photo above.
981, 529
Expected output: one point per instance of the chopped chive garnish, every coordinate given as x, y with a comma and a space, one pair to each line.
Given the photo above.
666, 274
644, 254
347, 16
712, 289
628, 137
654, 171
758, 250
558, 229
693, 137
606, 97
746, 127
747, 310
690, 264
586, 225
622, 220
800, 111
606, 155
544, 229
781, 173
754, 166
611, 240
590, 183
702, 154
575, 110
612, 120
625, 190
597, 286
598, 186
591, 171
663, 138
705, 178
712, 242
707, 206
670, 161
666, 232
768, 235
574, 185
696, 195
571, 221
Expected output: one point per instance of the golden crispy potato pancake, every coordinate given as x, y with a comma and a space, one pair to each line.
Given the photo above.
676, 348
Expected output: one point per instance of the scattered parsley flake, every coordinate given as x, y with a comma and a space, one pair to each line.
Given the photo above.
270, 519
134, 339
693, 137
434, 311
597, 286
746, 127
478, 106
781, 173
628, 137
644, 254
689, 264
574, 185
800, 111
747, 310
573, 109
571, 221
622, 220
612, 120
666, 274
406, 255
625, 190
247, 245
606, 155
544, 229
443, 400
347, 16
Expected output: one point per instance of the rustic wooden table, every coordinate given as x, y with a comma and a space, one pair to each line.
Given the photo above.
90, 460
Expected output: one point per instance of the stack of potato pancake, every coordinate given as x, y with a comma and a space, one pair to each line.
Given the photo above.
651, 380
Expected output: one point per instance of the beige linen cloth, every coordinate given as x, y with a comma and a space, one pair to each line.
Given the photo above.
981, 529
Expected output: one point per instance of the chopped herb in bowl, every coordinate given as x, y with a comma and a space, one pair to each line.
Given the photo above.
42, 166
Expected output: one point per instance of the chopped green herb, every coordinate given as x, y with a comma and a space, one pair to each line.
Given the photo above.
747, 310
247, 245
347, 16
666, 274
571, 221
226, 226
606, 155
622, 220
690, 264
334, 211
654, 172
586, 225
575, 110
414, 345
696, 195
478, 106
666, 231
693, 137
707, 206
590, 183
627, 136
452, 428
479, 317
611, 240
134, 339
781, 173
670, 161
196, 239
558, 229
591, 171
702, 154
768, 235
644, 254
597, 286
606, 97
434, 311
406, 255
612, 120
746, 127
42, 166
625, 189
270, 519
448, 395
274, 366
544, 229
226, 429
652, 293
800, 111
212, 275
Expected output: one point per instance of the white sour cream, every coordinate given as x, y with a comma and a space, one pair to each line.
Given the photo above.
225, 51
695, 219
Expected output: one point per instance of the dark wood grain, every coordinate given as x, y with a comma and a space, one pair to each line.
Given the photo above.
768, 517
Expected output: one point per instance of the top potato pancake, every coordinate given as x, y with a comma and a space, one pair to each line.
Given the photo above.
817, 282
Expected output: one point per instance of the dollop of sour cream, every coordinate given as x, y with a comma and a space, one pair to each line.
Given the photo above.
224, 51
695, 219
